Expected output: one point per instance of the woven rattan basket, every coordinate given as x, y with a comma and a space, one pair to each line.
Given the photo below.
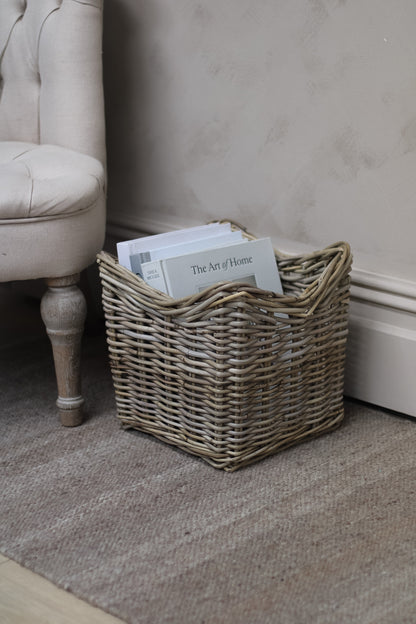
234, 373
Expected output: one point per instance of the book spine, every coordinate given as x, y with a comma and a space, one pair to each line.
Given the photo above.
123, 254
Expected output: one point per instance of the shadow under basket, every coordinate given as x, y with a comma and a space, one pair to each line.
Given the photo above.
234, 373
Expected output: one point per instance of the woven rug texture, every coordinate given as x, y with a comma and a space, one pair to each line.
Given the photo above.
322, 533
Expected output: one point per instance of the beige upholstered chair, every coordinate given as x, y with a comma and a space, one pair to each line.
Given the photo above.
52, 165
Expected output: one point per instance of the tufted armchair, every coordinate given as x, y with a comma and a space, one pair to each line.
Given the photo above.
52, 165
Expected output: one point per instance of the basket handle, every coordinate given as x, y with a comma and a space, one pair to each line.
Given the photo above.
337, 270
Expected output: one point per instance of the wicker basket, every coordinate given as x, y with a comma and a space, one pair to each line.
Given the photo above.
234, 373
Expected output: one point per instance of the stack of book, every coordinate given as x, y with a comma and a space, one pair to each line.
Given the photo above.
185, 262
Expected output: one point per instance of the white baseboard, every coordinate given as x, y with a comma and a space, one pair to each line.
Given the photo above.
381, 350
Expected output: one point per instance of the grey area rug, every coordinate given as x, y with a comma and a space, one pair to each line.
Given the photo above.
324, 532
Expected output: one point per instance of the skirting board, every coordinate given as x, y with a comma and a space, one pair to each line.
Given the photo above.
381, 349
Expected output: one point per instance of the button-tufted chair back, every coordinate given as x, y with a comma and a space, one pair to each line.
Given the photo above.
50, 81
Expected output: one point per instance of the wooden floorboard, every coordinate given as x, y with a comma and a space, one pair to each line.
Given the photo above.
26, 598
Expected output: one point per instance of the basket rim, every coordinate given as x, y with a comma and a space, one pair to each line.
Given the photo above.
338, 268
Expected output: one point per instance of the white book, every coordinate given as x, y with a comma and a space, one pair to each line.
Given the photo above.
220, 240
152, 271
252, 262
132, 253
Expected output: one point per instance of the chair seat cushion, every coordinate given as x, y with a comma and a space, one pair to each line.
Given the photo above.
39, 181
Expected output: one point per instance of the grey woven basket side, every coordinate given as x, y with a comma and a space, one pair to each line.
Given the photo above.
234, 373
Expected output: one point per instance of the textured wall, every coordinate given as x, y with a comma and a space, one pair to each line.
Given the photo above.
296, 118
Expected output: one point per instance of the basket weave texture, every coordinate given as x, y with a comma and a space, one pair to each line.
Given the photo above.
234, 373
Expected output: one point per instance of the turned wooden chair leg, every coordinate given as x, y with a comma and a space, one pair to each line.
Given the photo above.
63, 310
